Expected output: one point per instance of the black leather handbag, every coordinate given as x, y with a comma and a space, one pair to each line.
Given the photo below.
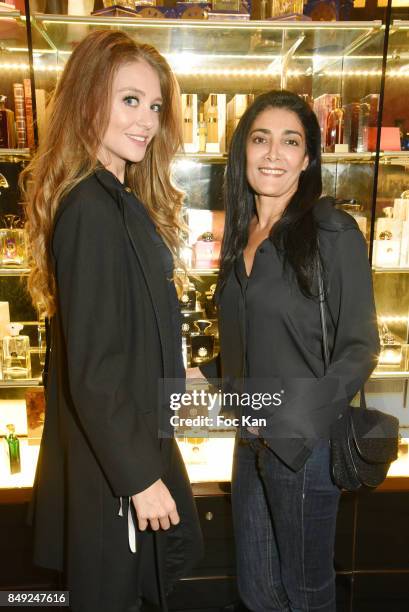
364, 442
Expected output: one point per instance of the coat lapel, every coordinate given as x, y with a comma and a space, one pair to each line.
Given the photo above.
150, 266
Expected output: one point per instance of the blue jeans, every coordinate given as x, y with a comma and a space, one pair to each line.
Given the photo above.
284, 524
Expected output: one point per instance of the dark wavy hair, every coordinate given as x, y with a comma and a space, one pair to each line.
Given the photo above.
295, 234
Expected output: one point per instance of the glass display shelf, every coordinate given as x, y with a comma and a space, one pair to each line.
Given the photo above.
18, 153
329, 158
379, 270
392, 158
389, 375
23, 382
203, 272
201, 35
14, 271
398, 47
239, 50
395, 157
211, 463
13, 35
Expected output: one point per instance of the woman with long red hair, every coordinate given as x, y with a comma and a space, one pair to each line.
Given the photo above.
111, 498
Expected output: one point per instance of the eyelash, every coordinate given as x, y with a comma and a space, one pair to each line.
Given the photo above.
261, 140
155, 107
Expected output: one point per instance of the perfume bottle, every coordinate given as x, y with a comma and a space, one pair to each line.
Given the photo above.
202, 133
391, 348
16, 354
210, 306
202, 343
212, 120
7, 127
13, 248
280, 8
13, 445
335, 126
188, 120
368, 117
387, 242
188, 298
206, 251
351, 125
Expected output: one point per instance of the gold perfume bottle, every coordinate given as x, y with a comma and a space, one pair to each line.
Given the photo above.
212, 120
13, 248
202, 133
280, 8
335, 126
188, 120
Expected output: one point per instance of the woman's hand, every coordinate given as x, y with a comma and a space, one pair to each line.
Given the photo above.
194, 373
155, 506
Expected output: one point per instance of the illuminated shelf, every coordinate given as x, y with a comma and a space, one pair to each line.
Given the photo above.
25, 153
203, 271
394, 158
399, 270
385, 375
24, 382
14, 271
327, 158
266, 46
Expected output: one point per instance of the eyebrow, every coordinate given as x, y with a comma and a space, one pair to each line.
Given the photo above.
139, 91
286, 132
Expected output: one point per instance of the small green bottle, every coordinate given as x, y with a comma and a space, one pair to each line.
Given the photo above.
14, 450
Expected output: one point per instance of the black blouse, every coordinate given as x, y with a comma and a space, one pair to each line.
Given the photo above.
271, 336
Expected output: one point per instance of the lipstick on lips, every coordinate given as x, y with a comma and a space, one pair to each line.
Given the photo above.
267, 171
138, 138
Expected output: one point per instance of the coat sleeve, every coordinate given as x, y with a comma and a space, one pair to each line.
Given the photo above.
312, 405
88, 247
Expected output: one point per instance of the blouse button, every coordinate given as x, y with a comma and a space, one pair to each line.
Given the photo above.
128, 190
261, 250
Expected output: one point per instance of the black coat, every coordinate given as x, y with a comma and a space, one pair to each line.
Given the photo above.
311, 401
112, 341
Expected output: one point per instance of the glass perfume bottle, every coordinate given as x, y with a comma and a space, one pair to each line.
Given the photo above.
13, 445
212, 120
391, 348
206, 251
335, 126
351, 125
202, 343
7, 127
202, 133
16, 354
188, 120
13, 248
188, 298
387, 243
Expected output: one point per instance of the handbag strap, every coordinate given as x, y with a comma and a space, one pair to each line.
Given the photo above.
321, 298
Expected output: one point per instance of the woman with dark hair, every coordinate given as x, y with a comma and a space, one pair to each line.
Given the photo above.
112, 505
277, 229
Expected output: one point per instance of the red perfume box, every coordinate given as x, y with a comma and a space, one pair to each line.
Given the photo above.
390, 139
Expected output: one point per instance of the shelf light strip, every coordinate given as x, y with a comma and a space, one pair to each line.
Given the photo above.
222, 72
393, 319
